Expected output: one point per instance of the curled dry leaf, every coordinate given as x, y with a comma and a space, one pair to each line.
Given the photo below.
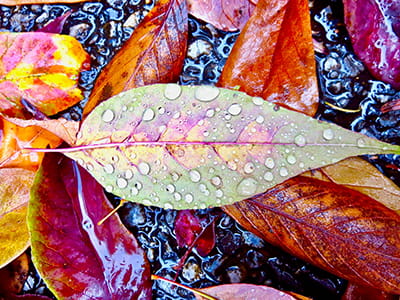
243, 291
336, 228
154, 53
224, 15
203, 146
376, 42
41, 68
14, 196
77, 258
273, 56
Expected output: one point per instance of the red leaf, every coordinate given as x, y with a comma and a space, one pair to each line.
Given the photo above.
225, 15
338, 229
154, 53
57, 25
76, 257
376, 40
206, 241
187, 227
273, 57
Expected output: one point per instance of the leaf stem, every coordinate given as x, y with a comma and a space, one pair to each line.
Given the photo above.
121, 203
197, 292
338, 108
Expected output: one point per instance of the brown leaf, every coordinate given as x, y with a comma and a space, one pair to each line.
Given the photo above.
336, 228
360, 175
273, 57
13, 276
14, 196
224, 15
358, 292
154, 53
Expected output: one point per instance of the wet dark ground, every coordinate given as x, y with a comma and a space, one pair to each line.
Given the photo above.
239, 256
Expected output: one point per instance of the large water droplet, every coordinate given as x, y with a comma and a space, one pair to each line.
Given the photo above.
108, 168
195, 176
249, 168
148, 115
247, 187
291, 159
269, 163
144, 168
268, 176
189, 198
177, 196
108, 115
172, 91
206, 93
235, 109
300, 140
122, 183
328, 134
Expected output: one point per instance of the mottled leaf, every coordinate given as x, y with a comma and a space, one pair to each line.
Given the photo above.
41, 68
243, 291
376, 40
273, 56
360, 175
14, 138
154, 53
336, 228
14, 196
195, 147
187, 226
77, 258
224, 15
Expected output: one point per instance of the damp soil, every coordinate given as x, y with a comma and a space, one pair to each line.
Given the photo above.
239, 256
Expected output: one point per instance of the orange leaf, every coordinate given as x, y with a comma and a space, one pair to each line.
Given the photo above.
41, 68
15, 138
14, 196
360, 175
357, 292
338, 229
154, 53
273, 57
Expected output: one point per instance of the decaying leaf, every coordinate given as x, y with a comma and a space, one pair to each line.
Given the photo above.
243, 291
13, 276
224, 15
76, 258
360, 175
273, 56
203, 146
336, 228
41, 68
154, 53
14, 196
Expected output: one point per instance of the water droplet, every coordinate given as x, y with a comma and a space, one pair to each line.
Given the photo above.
128, 174
108, 115
177, 196
258, 100
235, 109
161, 110
249, 168
80, 161
260, 119
172, 91
124, 108
109, 188
300, 140
170, 188
87, 224
269, 163
328, 134
291, 159
138, 185
122, 183
268, 176
232, 165
89, 167
144, 168
175, 176
219, 193
148, 115
206, 93
247, 187
115, 158
195, 176
210, 113
216, 180
134, 191
361, 143
168, 205
283, 172
108, 168
189, 198
176, 115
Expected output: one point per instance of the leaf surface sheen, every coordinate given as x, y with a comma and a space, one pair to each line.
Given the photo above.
154, 53
77, 258
273, 56
338, 229
195, 147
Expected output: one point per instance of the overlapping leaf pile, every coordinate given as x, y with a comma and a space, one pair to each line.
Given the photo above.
187, 147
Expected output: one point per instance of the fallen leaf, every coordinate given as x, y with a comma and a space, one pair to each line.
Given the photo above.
206, 240
15, 138
224, 15
13, 276
335, 228
41, 68
360, 175
243, 291
203, 146
358, 292
75, 257
14, 196
376, 42
23, 2
187, 226
154, 53
273, 56
56, 25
